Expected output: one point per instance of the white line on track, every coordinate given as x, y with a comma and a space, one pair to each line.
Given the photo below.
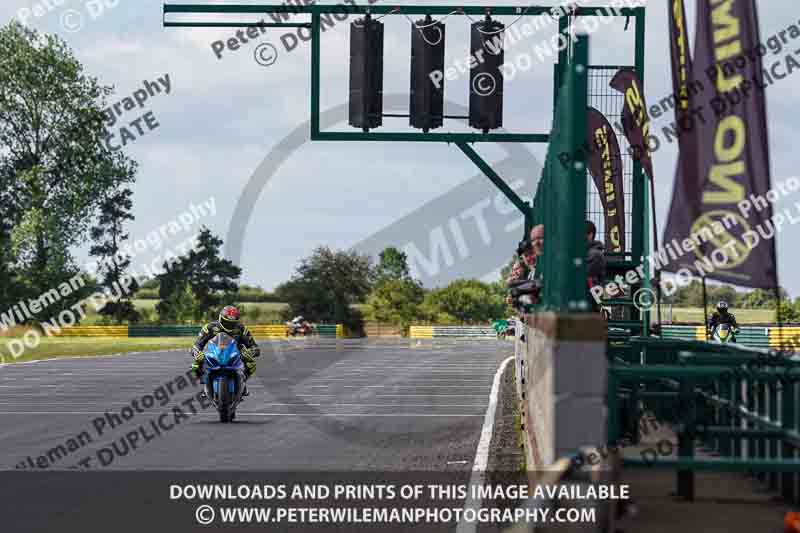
245, 413
423, 415
478, 476
398, 395
397, 385
271, 404
354, 378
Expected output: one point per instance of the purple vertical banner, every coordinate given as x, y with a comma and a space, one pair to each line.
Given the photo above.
635, 120
605, 166
709, 219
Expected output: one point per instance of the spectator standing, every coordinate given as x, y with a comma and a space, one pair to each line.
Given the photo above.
595, 262
537, 239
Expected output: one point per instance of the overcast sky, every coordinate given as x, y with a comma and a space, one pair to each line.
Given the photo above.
224, 118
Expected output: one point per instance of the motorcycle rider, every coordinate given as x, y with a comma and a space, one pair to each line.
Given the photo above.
228, 323
297, 323
722, 316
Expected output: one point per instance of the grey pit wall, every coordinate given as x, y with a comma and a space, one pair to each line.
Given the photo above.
562, 372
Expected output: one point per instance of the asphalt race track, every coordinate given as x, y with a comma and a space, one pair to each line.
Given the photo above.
319, 411
313, 404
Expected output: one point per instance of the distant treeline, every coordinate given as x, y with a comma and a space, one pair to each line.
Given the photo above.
246, 293
692, 296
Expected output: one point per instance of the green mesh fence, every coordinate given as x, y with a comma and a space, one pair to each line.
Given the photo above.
554, 206
560, 201
610, 103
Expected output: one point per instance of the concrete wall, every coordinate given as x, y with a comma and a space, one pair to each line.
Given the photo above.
562, 372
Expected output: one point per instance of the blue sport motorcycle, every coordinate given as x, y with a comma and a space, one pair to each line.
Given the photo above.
223, 375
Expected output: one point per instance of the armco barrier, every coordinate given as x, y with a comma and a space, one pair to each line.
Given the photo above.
421, 332
90, 331
260, 332
755, 336
278, 331
786, 338
379, 329
472, 332
684, 332
330, 330
163, 331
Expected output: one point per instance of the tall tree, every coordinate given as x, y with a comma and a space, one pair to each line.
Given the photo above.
392, 265
180, 306
395, 301
395, 296
465, 301
170, 282
109, 234
42, 258
211, 278
54, 166
325, 286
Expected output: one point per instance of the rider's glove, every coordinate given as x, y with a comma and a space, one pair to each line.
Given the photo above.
253, 352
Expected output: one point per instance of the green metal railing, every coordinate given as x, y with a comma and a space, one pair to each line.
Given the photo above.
739, 402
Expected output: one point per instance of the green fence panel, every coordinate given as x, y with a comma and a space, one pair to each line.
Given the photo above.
679, 332
326, 330
163, 331
465, 331
560, 200
757, 337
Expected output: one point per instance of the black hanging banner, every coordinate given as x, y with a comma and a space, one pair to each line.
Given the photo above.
605, 166
712, 230
681, 60
635, 120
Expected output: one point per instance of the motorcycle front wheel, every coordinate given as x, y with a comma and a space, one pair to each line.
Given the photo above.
225, 401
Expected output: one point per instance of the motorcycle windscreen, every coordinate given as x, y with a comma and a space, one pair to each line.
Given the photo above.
723, 332
222, 350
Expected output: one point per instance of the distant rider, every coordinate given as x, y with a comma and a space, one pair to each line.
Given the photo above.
297, 323
228, 323
722, 316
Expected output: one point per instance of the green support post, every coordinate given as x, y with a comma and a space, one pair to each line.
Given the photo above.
685, 478
788, 422
645, 237
725, 418
509, 193
613, 410
773, 417
315, 75
737, 419
760, 443
563, 58
639, 193
528, 221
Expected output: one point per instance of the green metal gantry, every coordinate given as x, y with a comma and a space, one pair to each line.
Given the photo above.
463, 141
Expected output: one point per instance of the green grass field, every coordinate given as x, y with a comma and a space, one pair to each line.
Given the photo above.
695, 314
50, 347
